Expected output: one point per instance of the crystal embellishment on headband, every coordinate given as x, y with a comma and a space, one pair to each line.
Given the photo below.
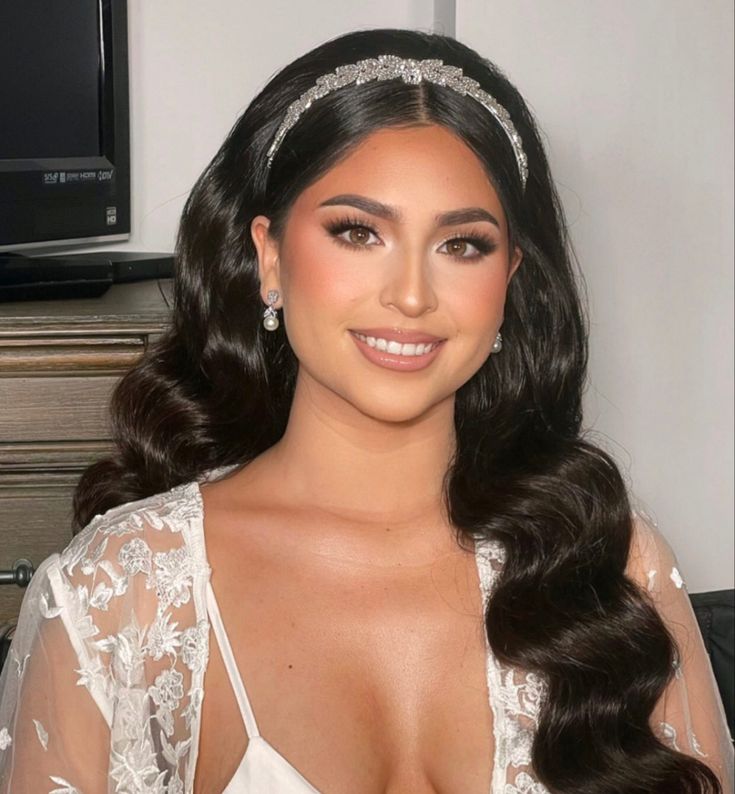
391, 67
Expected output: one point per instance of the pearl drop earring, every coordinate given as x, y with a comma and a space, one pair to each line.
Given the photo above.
498, 343
270, 318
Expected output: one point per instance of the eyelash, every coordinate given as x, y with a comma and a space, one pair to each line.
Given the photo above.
484, 245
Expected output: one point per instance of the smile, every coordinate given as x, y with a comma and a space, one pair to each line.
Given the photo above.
396, 348
390, 354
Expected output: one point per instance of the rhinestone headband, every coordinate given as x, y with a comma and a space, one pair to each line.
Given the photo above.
391, 67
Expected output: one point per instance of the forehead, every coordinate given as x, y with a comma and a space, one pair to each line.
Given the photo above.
413, 168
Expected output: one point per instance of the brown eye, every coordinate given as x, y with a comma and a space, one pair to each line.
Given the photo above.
353, 233
457, 247
359, 235
469, 248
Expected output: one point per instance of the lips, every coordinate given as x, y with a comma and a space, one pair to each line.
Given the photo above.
390, 353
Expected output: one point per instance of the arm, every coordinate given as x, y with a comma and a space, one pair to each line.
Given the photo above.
53, 734
102, 690
689, 716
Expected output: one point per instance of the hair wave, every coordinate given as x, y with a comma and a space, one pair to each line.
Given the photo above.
216, 390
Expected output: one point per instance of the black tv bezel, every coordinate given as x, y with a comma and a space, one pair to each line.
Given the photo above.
26, 177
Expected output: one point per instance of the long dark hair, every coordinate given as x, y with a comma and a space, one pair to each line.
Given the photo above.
217, 388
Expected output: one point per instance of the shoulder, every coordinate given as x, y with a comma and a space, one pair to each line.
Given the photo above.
652, 561
131, 533
129, 586
158, 539
141, 558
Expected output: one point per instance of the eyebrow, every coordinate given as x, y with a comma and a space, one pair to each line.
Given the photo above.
377, 208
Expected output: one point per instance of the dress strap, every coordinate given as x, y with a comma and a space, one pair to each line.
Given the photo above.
251, 727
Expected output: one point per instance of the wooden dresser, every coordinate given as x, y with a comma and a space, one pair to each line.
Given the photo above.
59, 362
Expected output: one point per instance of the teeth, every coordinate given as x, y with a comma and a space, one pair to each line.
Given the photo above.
396, 348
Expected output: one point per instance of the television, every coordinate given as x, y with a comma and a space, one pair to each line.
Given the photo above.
64, 123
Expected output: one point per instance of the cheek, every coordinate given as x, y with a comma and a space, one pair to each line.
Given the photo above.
477, 300
319, 274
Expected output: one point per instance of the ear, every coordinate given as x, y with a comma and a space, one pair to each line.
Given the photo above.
515, 262
268, 261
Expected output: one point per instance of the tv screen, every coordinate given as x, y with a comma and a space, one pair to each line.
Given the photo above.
64, 138
55, 50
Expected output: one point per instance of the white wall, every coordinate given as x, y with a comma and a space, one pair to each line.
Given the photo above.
194, 67
636, 99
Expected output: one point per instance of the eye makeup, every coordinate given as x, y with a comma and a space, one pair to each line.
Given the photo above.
339, 226
484, 244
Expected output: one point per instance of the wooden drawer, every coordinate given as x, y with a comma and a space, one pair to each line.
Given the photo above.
56, 354
35, 521
58, 388
55, 409
59, 363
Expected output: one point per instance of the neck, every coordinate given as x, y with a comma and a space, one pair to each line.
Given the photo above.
361, 468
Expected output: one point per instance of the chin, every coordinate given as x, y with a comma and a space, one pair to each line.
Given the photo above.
388, 409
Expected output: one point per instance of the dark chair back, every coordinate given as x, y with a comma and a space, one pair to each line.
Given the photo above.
6, 635
715, 613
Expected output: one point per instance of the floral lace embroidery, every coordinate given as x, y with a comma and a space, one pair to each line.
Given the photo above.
166, 693
20, 664
524, 784
195, 646
667, 733
68, 788
116, 666
515, 696
172, 577
42, 734
163, 637
135, 557
675, 577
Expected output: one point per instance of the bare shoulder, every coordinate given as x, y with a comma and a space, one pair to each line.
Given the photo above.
245, 498
236, 517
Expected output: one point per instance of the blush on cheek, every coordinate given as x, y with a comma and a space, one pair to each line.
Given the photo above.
324, 277
317, 288
481, 306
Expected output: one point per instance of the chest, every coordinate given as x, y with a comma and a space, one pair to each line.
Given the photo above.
364, 683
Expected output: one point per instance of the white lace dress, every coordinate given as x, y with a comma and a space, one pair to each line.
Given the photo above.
102, 690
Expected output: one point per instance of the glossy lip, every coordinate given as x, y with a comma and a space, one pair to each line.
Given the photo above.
395, 362
398, 335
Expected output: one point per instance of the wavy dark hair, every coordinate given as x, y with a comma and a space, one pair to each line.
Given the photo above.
216, 390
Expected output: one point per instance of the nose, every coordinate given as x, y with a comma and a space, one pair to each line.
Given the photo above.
408, 287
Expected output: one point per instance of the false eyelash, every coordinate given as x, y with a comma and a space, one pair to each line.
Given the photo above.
340, 225
484, 244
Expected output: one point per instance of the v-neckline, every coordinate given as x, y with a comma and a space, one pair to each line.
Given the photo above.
484, 551
241, 696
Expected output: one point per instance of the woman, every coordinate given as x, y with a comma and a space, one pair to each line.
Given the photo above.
354, 540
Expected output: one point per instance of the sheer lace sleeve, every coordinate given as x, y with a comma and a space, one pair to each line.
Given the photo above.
689, 716
102, 686
53, 733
